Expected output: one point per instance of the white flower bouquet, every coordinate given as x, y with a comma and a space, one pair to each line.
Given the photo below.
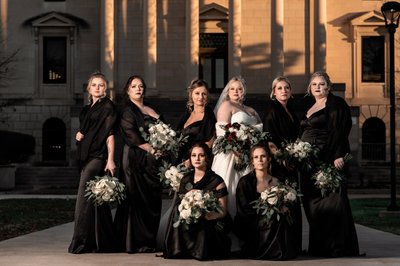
297, 154
194, 205
239, 138
104, 189
275, 202
171, 175
328, 179
163, 139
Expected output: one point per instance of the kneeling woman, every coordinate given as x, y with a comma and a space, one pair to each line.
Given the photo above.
207, 238
264, 240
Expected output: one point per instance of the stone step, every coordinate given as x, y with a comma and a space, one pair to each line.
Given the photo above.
54, 176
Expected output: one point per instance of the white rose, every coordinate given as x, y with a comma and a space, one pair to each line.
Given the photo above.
291, 196
185, 214
264, 195
198, 196
106, 197
272, 200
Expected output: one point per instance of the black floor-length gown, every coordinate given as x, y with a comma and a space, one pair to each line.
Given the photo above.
332, 229
138, 217
278, 241
199, 131
284, 128
204, 240
93, 230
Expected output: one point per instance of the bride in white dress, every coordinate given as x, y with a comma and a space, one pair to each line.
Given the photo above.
230, 109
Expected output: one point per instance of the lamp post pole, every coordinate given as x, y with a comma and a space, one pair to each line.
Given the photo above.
393, 206
391, 12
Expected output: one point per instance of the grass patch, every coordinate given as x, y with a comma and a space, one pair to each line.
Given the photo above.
366, 212
23, 216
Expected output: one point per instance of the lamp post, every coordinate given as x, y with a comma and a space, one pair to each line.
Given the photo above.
391, 12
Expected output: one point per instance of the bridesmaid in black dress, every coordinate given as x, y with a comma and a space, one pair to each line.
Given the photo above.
283, 125
207, 239
198, 122
93, 231
137, 218
327, 125
276, 241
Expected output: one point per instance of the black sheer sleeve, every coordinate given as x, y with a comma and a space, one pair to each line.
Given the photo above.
182, 121
222, 192
270, 123
339, 126
97, 125
207, 131
131, 121
281, 126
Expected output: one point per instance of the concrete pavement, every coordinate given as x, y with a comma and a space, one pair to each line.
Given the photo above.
49, 247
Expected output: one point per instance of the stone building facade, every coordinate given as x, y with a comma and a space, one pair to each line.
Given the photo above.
170, 42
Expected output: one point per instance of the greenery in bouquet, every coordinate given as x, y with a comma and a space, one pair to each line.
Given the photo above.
104, 189
297, 154
275, 202
239, 138
163, 139
171, 176
328, 179
195, 203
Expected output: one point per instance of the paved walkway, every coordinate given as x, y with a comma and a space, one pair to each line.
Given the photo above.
49, 247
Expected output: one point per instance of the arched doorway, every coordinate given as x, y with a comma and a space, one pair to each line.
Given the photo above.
54, 140
373, 139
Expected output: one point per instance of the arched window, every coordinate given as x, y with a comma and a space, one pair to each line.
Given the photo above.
373, 139
54, 140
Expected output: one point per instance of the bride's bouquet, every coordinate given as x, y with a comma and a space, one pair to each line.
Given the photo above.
239, 138
104, 189
163, 139
171, 176
297, 154
194, 205
328, 179
275, 202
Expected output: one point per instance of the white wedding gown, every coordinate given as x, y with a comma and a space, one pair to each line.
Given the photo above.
223, 164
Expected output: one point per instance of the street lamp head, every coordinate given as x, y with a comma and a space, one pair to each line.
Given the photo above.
391, 12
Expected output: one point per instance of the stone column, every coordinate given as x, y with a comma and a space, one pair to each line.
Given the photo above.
235, 46
150, 45
192, 40
107, 59
277, 48
3, 20
320, 35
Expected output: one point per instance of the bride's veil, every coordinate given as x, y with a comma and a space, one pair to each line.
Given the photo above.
224, 93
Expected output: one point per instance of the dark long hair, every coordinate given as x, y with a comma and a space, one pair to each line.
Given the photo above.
129, 81
207, 153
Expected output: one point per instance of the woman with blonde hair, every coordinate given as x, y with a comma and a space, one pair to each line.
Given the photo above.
93, 231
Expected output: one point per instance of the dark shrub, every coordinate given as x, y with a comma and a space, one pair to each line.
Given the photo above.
15, 147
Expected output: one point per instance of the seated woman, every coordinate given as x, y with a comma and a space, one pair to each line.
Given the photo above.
264, 241
207, 238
